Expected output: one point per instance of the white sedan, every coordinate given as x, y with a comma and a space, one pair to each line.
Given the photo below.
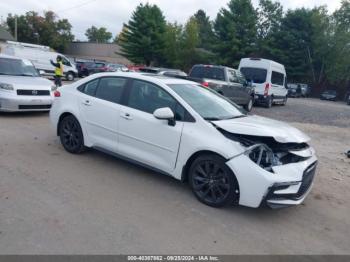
21, 86
188, 132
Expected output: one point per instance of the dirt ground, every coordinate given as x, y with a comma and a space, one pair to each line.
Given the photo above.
52, 202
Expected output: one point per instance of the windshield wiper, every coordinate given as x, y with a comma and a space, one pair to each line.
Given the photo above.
212, 118
234, 117
25, 75
223, 118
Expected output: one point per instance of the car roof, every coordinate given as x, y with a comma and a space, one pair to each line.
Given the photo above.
159, 79
10, 57
214, 66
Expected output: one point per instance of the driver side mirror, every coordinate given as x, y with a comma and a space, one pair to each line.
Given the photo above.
165, 113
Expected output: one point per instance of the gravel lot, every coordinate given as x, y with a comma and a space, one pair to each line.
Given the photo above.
52, 202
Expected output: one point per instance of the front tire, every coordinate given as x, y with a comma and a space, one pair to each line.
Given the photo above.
212, 181
70, 76
71, 135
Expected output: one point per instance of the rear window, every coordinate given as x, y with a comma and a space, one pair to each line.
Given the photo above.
277, 78
255, 75
208, 72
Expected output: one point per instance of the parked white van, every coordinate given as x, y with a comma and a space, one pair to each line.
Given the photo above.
40, 56
269, 79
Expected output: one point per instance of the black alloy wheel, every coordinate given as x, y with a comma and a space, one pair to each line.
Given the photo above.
212, 182
71, 135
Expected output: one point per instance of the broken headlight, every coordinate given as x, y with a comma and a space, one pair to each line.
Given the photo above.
263, 156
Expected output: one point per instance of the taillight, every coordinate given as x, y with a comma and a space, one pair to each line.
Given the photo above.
104, 68
205, 84
57, 93
267, 87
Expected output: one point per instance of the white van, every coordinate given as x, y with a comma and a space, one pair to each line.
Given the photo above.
269, 79
40, 56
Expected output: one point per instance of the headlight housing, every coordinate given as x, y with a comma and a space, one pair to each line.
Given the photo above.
5, 86
263, 156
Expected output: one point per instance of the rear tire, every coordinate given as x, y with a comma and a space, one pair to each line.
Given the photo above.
269, 102
249, 106
285, 101
71, 135
212, 181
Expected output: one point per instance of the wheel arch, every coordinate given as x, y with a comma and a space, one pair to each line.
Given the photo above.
185, 169
62, 116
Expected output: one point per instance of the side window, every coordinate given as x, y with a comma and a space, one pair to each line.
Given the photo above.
241, 78
65, 62
147, 97
232, 76
89, 88
277, 78
111, 89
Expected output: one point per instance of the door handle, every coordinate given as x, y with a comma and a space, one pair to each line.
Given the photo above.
126, 116
86, 103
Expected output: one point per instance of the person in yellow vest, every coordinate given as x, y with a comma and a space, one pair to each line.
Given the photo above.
58, 70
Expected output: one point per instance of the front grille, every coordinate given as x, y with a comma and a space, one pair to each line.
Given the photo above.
33, 92
308, 177
34, 107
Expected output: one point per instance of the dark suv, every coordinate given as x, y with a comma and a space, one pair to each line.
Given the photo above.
84, 68
227, 81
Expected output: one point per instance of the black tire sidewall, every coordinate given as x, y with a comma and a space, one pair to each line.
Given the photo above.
70, 76
80, 147
269, 102
247, 106
232, 197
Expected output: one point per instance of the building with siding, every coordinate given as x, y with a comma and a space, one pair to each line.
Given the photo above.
96, 51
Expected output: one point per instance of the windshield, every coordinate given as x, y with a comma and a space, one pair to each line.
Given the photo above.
207, 103
255, 75
17, 67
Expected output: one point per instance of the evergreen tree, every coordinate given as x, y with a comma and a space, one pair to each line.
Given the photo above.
143, 41
236, 31
205, 30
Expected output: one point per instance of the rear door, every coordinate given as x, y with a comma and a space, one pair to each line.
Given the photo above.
100, 107
277, 83
144, 138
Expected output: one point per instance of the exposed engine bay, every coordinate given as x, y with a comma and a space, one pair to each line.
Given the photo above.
267, 152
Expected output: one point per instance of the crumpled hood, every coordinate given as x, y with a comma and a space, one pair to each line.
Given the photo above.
26, 82
262, 126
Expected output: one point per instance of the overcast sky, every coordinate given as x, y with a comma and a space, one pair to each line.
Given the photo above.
112, 14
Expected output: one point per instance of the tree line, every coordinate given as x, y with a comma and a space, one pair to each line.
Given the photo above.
313, 44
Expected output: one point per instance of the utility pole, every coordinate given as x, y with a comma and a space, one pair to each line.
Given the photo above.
16, 34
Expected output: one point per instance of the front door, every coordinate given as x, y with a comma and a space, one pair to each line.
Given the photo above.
144, 138
232, 89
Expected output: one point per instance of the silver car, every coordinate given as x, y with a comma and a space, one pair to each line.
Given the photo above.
21, 86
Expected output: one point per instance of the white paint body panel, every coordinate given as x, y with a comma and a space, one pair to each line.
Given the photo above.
262, 126
151, 141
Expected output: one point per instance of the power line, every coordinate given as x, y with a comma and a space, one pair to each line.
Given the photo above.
76, 6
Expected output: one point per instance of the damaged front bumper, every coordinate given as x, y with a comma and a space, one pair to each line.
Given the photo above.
289, 194
287, 185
